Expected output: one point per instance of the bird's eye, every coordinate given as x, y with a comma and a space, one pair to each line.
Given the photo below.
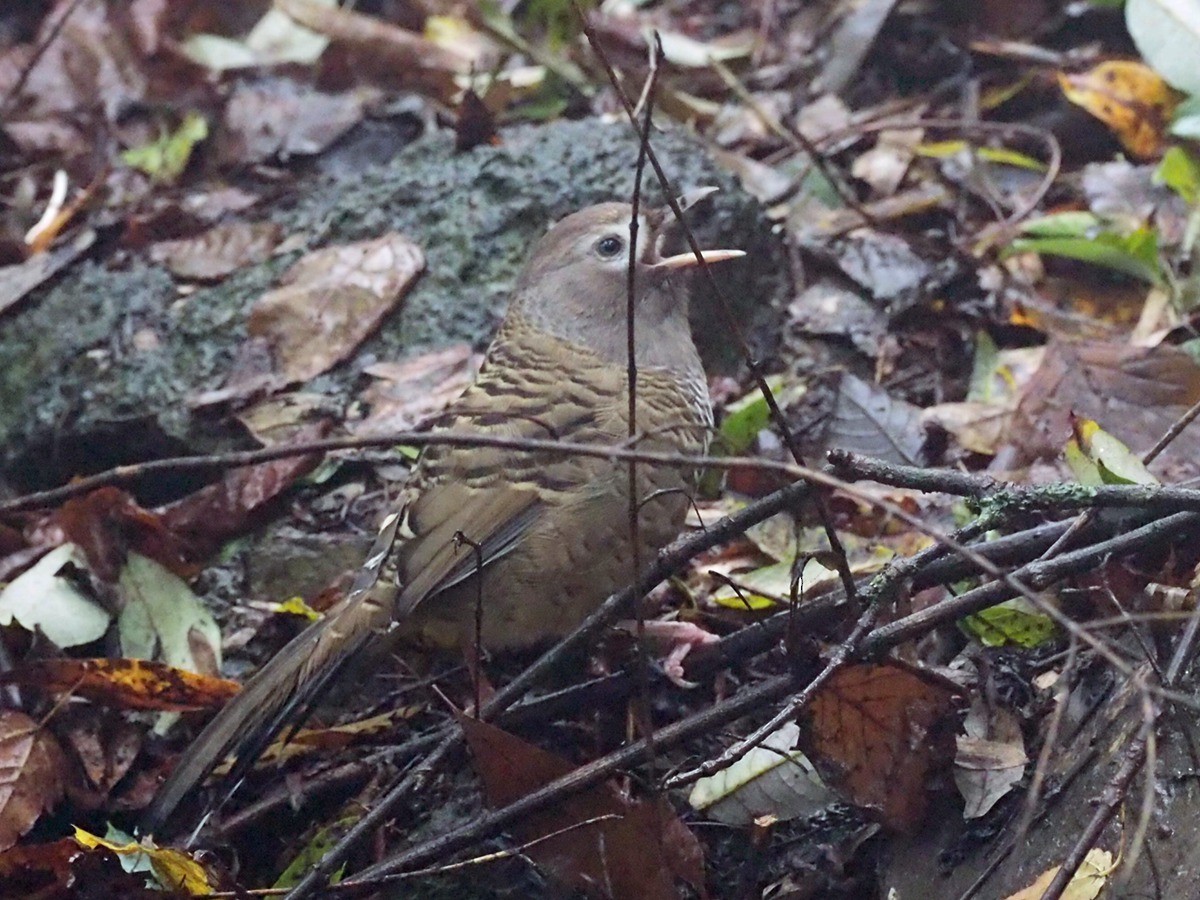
609, 247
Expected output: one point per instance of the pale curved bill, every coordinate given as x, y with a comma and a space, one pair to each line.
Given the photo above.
684, 260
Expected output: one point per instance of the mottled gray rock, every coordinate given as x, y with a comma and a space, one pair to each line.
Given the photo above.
98, 368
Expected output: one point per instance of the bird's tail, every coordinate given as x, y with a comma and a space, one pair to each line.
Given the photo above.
283, 690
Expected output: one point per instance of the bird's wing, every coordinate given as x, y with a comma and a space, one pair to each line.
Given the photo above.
458, 530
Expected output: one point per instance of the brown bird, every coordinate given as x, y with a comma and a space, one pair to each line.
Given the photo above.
547, 536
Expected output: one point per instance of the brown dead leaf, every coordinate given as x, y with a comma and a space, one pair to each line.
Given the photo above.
975, 426
474, 123
62, 870
278, 118
108, 523
990, 758
599, 841
869, 420
31, 774
407, 392
207, 518
40, 867
331, 300
92, 56
1134, 393
307, 741
877, 732
105, 746
386, 53
97, 64
221, 250
126, 683
18, 280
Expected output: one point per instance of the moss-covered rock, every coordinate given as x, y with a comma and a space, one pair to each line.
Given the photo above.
98, 369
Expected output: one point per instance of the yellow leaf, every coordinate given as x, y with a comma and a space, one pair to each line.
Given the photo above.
297, 607
1086, 884
1130, 98
173, 869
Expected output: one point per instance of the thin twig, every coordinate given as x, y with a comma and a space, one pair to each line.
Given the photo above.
633, 511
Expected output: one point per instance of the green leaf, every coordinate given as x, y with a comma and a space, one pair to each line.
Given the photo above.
983, 370
1181, 173
1064, 224
314, 851
1087, 238
1186, 121
771, 585
1115, 463
1192, 349
1085, 470
555, 17
997, 155
165, 159
746, 417
1014, 622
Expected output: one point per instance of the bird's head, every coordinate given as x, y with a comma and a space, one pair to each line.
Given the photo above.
575, 283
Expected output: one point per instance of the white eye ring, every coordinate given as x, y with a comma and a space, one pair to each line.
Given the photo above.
609, 246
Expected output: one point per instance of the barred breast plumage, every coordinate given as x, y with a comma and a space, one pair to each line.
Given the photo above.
576, 550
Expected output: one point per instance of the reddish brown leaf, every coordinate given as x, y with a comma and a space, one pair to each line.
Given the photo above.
63, 870
877, 733
105, 745
207, 518
474, 124
126, 683
39, 866
31, 774
1133, 393
602, 842
107, 523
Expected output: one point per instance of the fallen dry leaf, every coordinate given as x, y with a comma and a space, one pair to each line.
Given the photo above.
331, 300
105, 745
108, 523
31, 774
280, 118
1130, 98
878, 732
126, 683
174, 869
990, 759
18, 280
387, 53
597, 841
407, 392
1134, 393
221, 250
213, 514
